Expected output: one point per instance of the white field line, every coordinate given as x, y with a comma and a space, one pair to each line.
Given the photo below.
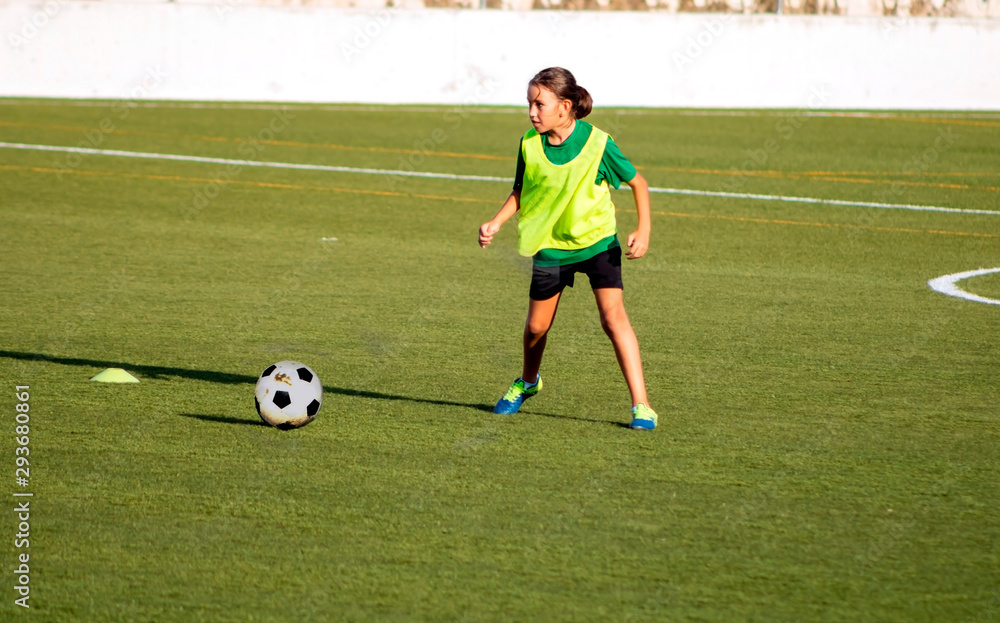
252, 163
475, 178
946, 285
838, 202
502, 108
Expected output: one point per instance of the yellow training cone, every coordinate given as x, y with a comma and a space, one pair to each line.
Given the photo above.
115, 375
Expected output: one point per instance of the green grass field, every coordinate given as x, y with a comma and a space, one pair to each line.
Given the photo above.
829, 425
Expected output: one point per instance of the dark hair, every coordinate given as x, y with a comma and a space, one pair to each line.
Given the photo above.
561, 82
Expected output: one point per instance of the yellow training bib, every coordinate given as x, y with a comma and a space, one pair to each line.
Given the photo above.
561, 206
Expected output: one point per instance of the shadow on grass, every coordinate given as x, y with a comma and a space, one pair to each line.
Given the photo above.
211, 376
573, 417
224, 419
227, 378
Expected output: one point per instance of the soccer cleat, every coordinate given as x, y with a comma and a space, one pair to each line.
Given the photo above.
515, 396
643, 418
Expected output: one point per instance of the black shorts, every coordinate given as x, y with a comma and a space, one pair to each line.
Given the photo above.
604, 270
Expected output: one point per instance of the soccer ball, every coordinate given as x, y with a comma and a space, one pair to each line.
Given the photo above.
288, 395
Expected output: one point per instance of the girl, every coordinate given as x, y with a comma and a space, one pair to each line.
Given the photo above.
567, 225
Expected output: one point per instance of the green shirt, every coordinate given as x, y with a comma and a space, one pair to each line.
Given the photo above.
615, 169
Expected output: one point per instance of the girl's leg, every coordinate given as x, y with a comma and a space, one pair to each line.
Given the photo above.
536, 328
615, 323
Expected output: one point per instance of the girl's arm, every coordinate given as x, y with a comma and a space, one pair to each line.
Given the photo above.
491, 227
638, 241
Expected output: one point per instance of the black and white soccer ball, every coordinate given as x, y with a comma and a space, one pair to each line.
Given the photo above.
288, 395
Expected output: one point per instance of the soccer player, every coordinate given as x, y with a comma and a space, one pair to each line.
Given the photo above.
567, 225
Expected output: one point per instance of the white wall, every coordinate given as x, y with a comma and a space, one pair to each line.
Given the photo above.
229, 51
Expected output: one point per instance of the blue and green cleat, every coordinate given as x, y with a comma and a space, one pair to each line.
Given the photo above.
643, 418
515, 396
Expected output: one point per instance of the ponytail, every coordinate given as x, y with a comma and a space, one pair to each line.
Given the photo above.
584, 104
562, 83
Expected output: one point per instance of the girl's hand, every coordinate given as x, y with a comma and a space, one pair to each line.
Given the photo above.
486, 232
487, 229
638, 244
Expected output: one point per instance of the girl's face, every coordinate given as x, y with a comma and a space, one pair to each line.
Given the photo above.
546, 110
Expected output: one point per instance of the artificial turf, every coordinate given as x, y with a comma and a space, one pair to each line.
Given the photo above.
829, 425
